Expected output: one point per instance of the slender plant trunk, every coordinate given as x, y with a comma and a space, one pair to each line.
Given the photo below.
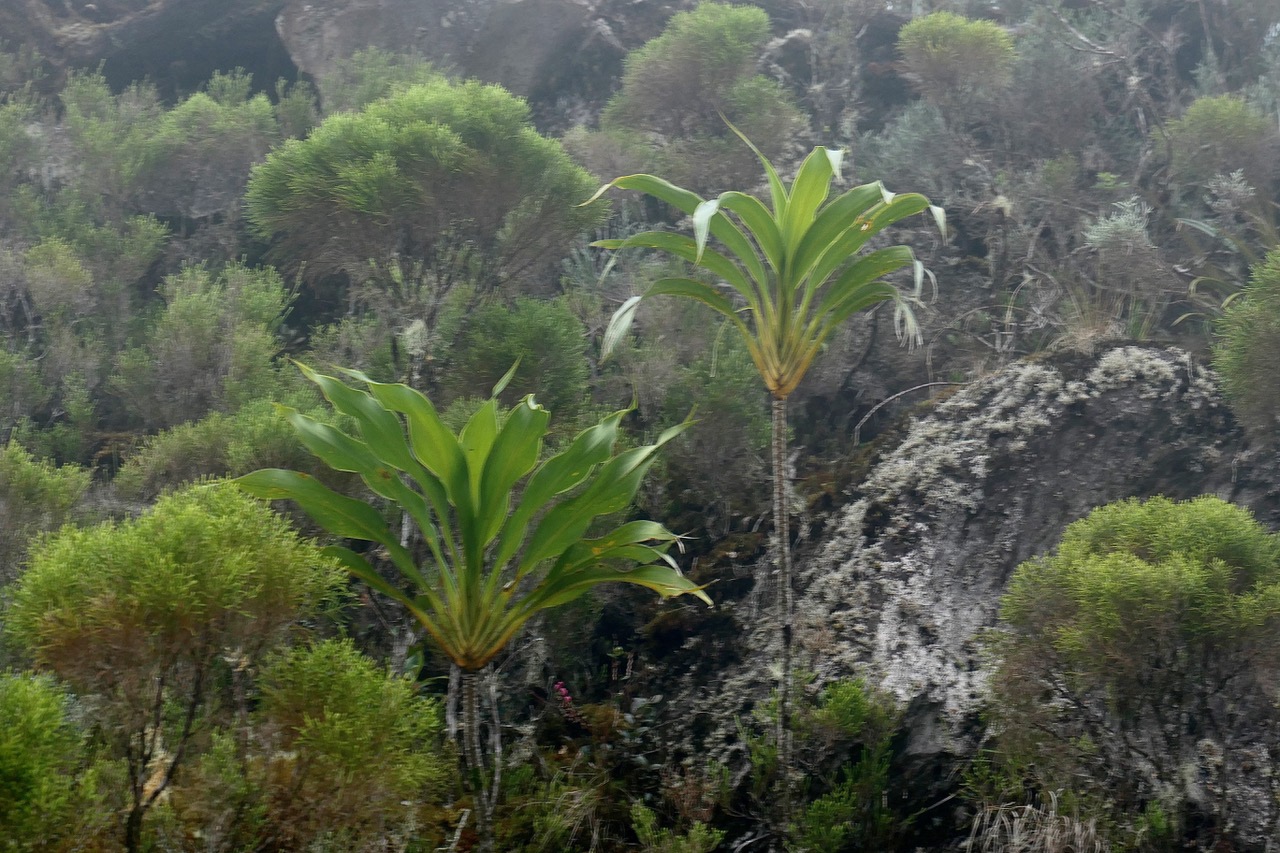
782, 526
473, 755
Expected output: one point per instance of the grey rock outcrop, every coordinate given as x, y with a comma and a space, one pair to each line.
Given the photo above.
177, 41
541, 49
903, 581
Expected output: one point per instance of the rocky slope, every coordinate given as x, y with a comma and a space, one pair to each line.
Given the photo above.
902, 582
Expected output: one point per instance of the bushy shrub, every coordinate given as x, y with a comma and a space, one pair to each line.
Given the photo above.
147, 615
667, 118
720, 464
200, 152
256, 436
356, 752
851, 728
22, 392
543, 335
370, 74
210, 348
1218, 135
40, 752
35, 497
449, 176
1248, 351
1147, 616
952, 59
110, 137
916, 149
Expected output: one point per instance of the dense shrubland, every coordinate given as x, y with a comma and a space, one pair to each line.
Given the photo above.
182, 671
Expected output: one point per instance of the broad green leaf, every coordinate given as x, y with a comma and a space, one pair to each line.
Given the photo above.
380, 428
684, 247
832, 221
776, 190
556, 476
810, 190
661, 579
699, 292
761, 225
515, 453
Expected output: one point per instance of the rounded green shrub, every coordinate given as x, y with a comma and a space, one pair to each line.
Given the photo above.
1219, 135
1151, 630
678, 89
452, 176
357, 752
546, 339
35, 497
952, 58
39, 752
1248, 351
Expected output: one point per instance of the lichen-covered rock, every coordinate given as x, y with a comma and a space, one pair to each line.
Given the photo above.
907, 577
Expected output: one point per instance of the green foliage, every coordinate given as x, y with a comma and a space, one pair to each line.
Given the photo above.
855, 723
219, 445
1248, 350
720, 466
142, 616
1147, 612
199, 153
683, 84
211, 348
1218, 135
370, 74
110, 136
22, 393
35, 497
204, 570
1135, 581
448, 175
699, 838
542, 335
953, 59
484, 535
356, 751
39, 753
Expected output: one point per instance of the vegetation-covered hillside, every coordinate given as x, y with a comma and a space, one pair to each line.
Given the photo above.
380, 296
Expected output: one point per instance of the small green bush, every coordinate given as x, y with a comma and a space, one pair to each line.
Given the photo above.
451, 176
699, 838
357, 752
543, 335
667, 118
1248, 351
370, 74
144, 617
211, 347
35, 497
1148, 611
953, 59
40, 751
855, 724
1219, 135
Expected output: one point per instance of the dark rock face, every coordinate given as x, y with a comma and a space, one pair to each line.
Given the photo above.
907, 577
542, 49
176, 42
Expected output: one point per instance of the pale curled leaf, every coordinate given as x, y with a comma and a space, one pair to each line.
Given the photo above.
619, 325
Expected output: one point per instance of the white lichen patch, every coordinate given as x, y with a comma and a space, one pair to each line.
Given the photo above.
902, 563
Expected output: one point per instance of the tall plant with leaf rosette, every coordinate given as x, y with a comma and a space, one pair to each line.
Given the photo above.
789, 273
505, 533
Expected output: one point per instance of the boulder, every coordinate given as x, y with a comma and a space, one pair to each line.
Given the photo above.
902, 582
